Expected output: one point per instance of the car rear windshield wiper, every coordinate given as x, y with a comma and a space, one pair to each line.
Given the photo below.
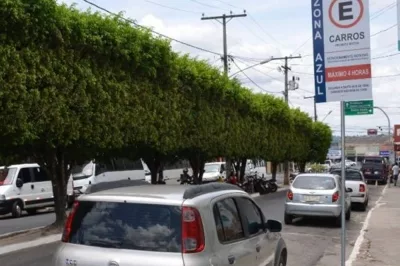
104, 243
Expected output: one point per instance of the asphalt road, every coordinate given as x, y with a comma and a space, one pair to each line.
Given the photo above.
310, 242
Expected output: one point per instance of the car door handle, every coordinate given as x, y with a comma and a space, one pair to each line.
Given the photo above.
32, 186
231, 259
258, 248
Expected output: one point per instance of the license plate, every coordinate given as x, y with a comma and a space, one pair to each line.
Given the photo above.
311, 198
367, 172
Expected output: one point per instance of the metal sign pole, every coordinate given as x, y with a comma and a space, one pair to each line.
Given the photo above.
343, 187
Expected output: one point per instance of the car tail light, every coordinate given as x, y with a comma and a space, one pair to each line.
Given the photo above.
362, 188
289, 195
67, 229
335, 196
192, 231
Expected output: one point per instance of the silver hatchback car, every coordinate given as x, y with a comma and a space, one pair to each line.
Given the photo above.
316, 195
147, 225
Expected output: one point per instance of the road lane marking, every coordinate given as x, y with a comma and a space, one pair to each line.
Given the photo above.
360, 238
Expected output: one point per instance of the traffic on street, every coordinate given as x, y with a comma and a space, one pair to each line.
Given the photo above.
311, 242
198, 133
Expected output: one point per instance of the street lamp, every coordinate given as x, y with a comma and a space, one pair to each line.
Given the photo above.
388, 119
260, 63
326, 115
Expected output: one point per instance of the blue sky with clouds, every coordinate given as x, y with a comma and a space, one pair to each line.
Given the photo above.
272, 28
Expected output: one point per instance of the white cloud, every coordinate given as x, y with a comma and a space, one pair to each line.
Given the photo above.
273, 28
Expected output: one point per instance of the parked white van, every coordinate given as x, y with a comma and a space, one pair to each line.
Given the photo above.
93, 172
26, 187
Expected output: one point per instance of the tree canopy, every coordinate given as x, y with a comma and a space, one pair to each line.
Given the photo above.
75, 84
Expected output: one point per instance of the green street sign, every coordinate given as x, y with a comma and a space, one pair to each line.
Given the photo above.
359, 107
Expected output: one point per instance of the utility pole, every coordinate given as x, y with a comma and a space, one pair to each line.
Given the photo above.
315, 107
286, 70
224, 20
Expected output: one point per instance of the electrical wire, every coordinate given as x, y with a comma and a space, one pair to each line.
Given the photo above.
151, 30
384, 30
382, 11
252, 81
207, 5
172, 8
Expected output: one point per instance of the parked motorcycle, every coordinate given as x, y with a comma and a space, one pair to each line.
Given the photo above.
271, 185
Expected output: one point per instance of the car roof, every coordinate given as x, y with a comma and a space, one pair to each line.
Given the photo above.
214, 163
136, 188
317, 175
25, 165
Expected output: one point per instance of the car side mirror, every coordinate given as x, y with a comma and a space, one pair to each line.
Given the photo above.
273, 226
19, 182
349, 190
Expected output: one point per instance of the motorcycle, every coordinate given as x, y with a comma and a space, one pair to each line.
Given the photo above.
186, 179
270, 184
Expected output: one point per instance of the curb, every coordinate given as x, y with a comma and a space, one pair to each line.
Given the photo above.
281, 189
20, 232
29, 244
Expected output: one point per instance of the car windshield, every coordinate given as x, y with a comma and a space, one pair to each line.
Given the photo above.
350, 175
314, 182
82, 171
373, 160
211, 168
7, 176
146, 227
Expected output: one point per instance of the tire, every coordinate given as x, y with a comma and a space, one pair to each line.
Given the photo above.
363, 206
288, 219
338, 221
31, 211
273, 187
16, 209
348, 214
282, 258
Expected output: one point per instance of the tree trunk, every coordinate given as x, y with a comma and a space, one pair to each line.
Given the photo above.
202, 163
242, 171
58, 171
197, 164
161, 173
274, 168
302, 167
154, 166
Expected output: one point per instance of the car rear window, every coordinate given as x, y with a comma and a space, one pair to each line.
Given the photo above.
131, 226
314, 182
350, 175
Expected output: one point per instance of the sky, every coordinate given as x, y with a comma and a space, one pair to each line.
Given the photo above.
273, 28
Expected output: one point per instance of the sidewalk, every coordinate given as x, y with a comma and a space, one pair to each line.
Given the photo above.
381, 242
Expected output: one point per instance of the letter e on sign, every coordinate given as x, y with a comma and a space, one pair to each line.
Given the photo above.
346, 13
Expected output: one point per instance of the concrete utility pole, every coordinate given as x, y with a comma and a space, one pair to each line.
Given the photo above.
315, 107
225, 19
286, 70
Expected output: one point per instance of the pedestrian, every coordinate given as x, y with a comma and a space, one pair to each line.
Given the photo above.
395, 171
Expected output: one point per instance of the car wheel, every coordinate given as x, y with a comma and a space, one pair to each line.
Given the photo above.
16, 210
338, 221
282, 259
348, 214
363, 206
288, 219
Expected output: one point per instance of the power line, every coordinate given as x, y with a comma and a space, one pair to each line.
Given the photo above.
384, 30
382, 11
252, 81
151, 30
207, 5
172, 8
